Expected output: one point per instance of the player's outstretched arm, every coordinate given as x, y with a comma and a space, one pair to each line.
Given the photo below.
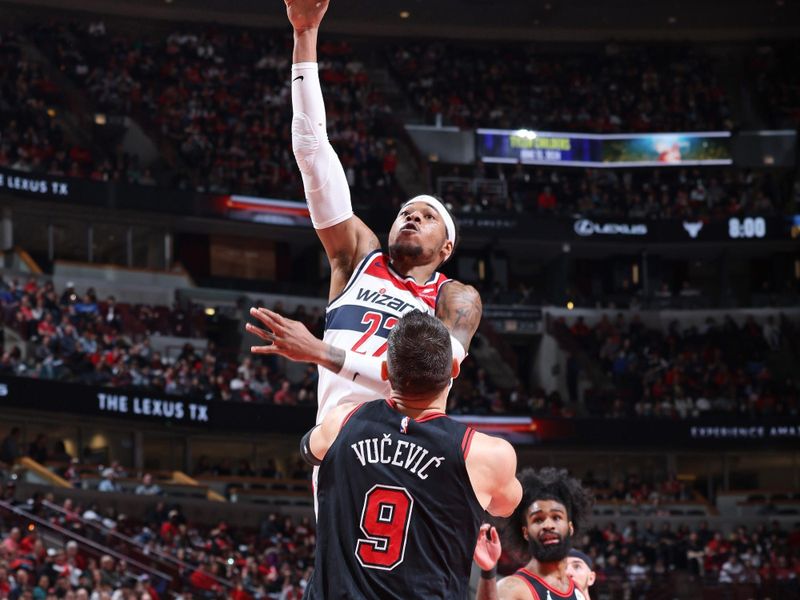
346, 238
291, 339
459, 307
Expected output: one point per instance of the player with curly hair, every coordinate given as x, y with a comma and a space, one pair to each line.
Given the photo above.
554, 506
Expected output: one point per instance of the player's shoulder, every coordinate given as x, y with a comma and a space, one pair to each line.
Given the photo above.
513, 588
494, 449
338, 415
455, 288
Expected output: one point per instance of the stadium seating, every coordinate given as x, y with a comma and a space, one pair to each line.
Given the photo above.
611, 88
628, 194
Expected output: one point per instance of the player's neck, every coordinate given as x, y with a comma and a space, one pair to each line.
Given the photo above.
554, 573
416, 407
406, 268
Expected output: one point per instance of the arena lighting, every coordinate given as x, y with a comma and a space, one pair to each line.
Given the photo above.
51, 112
570, 305
404, 14
100, 119
210, 311
526, 134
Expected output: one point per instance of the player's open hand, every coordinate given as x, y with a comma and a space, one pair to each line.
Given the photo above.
284, 336
488, 548
306, 14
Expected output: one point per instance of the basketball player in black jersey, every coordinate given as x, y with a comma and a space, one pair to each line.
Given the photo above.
403, 488
553, 508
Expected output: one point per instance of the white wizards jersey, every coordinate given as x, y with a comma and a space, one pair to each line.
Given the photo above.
360, 318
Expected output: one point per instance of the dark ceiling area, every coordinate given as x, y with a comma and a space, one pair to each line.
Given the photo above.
520, 19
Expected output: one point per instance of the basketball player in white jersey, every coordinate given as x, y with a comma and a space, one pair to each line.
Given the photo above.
370, 290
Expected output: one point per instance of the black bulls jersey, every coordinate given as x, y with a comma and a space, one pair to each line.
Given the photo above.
540, 590
398, 517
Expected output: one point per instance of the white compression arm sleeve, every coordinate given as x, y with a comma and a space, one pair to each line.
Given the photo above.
324, 180
366, 370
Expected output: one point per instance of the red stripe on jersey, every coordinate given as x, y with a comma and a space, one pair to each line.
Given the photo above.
393, 404
426, 293
430, 417
534, 594
566, 594
350, 414
467, 441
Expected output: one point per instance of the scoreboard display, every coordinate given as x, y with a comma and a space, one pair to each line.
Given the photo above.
603, 150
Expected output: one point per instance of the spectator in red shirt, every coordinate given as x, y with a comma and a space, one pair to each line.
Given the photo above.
546, 200
580, 329
46, 326
11, 543
26, 544
203, 578
390, 165
74, 557
285, 394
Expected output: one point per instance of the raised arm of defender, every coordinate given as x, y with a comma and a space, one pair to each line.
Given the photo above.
345, 237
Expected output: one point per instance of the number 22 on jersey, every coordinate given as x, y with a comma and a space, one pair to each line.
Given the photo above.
373, 320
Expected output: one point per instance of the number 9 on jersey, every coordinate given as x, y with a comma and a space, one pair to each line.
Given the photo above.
385, 520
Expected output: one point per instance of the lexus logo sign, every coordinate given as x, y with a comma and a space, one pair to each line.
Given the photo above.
586, 228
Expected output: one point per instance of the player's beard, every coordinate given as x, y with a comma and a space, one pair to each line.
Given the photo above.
551, 552
401, 251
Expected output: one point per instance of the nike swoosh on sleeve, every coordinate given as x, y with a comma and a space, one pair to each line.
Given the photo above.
300, 77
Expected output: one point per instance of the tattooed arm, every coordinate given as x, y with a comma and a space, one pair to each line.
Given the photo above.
459, 307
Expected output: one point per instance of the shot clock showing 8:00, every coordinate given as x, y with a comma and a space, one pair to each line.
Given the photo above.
749, 227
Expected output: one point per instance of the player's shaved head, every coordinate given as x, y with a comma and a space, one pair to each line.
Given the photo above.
420, 355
